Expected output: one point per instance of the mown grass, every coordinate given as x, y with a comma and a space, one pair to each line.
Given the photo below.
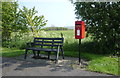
97, 62
11, 52
104, 64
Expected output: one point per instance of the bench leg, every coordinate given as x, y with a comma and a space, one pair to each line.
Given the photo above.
49, 55
62, 53
34, 53
56, 59
25, 54
57, 54
38, 53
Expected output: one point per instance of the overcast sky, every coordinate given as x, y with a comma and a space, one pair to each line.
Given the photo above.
57, 12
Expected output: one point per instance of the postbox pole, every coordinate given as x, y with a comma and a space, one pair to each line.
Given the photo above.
79, 51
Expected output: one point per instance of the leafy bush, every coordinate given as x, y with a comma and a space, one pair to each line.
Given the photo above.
102, 19
18, 40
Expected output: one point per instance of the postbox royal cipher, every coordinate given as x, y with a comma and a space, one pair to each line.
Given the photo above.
79, 29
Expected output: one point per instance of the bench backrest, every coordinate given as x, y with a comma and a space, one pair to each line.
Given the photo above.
52, 42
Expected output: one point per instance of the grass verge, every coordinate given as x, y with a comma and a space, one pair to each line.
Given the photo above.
11, 52
105, 64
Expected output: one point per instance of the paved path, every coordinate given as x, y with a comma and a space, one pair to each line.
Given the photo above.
41, 67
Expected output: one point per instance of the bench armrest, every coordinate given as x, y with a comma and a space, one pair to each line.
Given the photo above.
59, 46
30, 44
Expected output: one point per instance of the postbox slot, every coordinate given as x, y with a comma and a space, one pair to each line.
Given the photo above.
77, 24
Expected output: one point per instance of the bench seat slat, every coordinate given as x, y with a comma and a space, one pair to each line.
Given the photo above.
49, 45
49, 41
50, 38
42, 49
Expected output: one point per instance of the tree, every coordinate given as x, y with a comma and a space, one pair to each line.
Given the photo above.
29, 19
9, 10
14, 20
102, 19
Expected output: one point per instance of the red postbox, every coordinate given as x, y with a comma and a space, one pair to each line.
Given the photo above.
79, 29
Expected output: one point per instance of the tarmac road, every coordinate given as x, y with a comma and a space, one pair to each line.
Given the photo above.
43, 67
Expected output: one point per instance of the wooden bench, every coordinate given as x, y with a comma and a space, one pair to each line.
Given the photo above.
47, 45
